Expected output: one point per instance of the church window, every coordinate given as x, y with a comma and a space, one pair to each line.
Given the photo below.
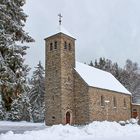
114, 102
124, 103
55, 45
102, 101
65, 45
51, 46
69, 47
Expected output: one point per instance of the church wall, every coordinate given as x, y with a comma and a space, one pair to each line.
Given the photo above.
81, 100
121, 111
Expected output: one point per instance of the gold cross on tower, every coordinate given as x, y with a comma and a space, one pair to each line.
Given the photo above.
60, 18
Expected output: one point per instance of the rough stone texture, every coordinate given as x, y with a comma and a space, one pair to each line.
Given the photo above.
66, 91
59, 78
88, 103
108, 111
81, 100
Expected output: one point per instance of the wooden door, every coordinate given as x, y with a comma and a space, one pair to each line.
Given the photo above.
68, 118
134, 113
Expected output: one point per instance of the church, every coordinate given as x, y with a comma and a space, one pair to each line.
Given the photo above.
77, 93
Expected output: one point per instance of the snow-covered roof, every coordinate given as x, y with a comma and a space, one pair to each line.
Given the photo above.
98, 78
61, 29
135, 104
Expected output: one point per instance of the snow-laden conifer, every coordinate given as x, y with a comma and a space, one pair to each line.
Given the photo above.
13, 71
37, 92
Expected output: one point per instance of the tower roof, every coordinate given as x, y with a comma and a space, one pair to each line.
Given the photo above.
62, 30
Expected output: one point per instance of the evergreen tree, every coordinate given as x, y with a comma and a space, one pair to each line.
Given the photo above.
37, 92
2, 110
26, 108
96, 63
133, 79
91, 63
129, 76
12, 70
20, 109
15, 113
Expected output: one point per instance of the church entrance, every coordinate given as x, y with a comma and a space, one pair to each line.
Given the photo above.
68, 117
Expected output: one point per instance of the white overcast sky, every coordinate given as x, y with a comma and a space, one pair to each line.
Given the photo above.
103, 28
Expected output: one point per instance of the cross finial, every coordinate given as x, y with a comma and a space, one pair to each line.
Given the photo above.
60, 18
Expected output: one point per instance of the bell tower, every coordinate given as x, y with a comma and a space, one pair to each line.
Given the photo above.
59, 64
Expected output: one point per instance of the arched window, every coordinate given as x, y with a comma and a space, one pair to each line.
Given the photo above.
114, 102
65, 45
69, 47
51, 46
124, 103
55, 45
102, 101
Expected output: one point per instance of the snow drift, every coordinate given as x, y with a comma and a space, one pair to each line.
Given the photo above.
96, 130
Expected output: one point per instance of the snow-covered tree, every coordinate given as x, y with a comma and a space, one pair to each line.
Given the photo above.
37, 92
2, 110
20, 109
91, 63
15, 113
12, 19
26, 108
129, 76
12, 69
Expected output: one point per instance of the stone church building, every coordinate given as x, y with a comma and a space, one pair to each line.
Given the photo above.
77, 93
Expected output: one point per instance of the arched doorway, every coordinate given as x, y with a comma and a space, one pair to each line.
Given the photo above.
68, 117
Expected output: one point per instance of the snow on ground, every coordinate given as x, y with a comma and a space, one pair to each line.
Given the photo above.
94, 131
19, 127
22, 123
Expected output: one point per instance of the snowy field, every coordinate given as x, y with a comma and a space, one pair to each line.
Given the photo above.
94, 131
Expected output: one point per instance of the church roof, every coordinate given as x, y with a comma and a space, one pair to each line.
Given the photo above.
98, 78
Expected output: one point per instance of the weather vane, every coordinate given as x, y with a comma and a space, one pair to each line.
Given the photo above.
60, 18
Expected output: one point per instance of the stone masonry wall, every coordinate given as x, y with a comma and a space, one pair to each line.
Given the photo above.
81, 100
121, 111
67, 79
60, 62
53, 113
